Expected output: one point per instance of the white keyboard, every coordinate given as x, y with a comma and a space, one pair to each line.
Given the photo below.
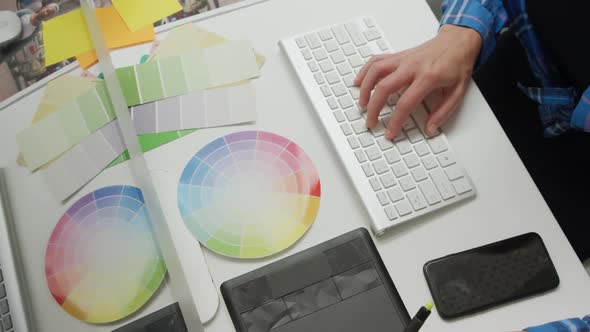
397, 181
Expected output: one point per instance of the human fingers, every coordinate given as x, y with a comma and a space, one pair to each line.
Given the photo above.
361, 75
377, 71
446, 107
388, 85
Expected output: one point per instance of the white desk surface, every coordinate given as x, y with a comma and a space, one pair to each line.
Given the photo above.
508, 203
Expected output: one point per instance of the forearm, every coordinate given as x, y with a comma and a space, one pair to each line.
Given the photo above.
566, 325
581, 114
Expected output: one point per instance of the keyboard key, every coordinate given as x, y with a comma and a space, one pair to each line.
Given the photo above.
332, 77
332, 103
348, 49
382, 197
368, 169
378, 130
2, 291
375, 184
404, 146
429, 162
341, 34
339, 116
365, 51
355, 61
462, 186
344, 69
325, 34
326, 90
414, 135
392, 99
388, 180
313, 66
453, 172
331, 45
356, 71
399, 169
1, 276
369, 22
437, 144
4, 306
355, 34
337, 57
360, 156
380, 166
409, 124
384, 143
419, 174
373, 153
420, 116
306, 54
300, 42
445, 159
395, 194
359, 126
353, 142
353, 114
442, 184
319, 78
416, 200
382, 45
349, 80
401, 136
346, 130
326, 66
411, 160
385, 110
7, 323
355, 92
403, 208
430, 192
407, 183
372, 34
313, 41
390, 212
345, 101
421, 149
339, 89
392, 156
366, 140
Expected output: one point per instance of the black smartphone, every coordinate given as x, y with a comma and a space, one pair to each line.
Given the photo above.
479, 278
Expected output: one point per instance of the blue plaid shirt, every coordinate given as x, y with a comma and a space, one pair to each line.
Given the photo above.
566, 325
560, 108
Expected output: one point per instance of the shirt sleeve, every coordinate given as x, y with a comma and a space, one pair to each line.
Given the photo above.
581, 116
566, 325
486, 17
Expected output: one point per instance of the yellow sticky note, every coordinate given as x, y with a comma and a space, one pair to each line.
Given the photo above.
116, 34
140, 13
65, 36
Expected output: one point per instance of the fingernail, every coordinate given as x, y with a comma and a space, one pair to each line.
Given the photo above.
431, 129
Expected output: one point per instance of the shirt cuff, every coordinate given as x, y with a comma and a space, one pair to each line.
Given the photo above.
474, 15
566, 325
581, 114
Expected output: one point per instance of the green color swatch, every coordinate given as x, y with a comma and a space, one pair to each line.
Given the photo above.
126, 77
149, 81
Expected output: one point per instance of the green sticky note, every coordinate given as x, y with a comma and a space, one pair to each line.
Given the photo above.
128, 82
173, 76
195, 70
150, 83
92, 111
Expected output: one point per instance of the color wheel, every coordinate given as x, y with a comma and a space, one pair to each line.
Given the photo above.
101, 262
249, 194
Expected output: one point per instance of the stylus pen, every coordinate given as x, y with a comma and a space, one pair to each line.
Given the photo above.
418, 320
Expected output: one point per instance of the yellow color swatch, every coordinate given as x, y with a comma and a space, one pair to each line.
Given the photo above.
116, 34
141, 13
65, 36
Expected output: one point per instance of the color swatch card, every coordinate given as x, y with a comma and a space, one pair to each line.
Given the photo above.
102, 262
199, 109
140, 13
249, 194
198, 69
65, 128
83, 162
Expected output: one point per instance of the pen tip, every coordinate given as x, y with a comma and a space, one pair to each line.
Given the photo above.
428, 305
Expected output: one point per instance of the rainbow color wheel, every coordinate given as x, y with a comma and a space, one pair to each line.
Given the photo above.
249, 194
101, 262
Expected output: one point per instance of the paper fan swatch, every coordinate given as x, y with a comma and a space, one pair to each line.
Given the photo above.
249, 194
102, 262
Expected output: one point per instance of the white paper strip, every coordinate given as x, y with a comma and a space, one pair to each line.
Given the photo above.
83, 162
200, 109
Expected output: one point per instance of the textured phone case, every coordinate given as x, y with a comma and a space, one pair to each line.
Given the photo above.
482, 277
